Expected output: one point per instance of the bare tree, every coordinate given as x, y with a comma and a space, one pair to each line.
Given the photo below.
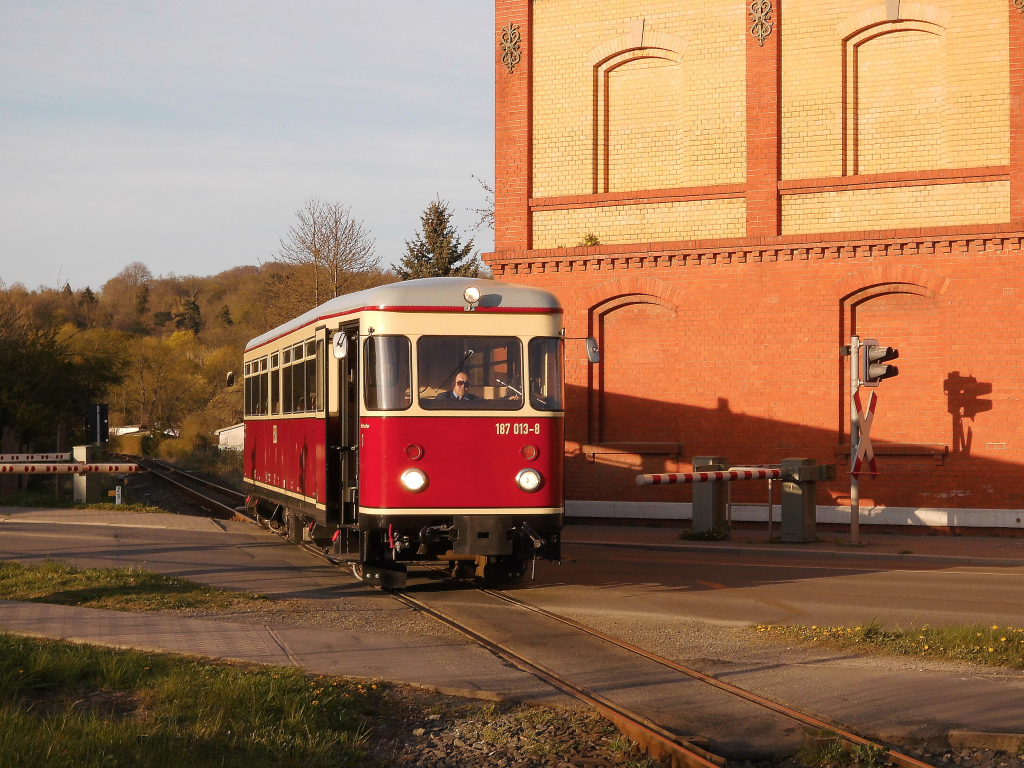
485, 215
330, 248
136, 274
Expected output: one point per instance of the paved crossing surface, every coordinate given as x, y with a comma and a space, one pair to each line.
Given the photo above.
684, 600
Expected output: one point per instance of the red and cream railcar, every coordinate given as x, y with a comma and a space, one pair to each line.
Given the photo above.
425, 417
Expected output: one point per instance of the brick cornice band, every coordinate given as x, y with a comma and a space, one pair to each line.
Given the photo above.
837, 245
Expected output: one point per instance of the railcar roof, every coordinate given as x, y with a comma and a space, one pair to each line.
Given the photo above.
428, 293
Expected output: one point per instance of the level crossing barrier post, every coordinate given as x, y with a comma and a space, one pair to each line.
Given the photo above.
88, 488
799, 504
710, 499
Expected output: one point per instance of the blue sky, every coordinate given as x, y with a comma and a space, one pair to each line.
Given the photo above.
186, 134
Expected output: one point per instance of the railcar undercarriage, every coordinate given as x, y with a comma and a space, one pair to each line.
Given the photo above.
495, 548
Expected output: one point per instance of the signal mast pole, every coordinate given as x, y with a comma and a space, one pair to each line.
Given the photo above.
854, 440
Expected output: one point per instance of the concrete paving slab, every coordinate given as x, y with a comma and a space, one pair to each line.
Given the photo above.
453, 667
93, 517
892, 702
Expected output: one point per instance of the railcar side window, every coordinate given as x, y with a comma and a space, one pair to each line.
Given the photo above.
264, 388
320, 375
256, 387
311, 393
546, 374
297, 373
275, 384
286, 380
491, 365
388, 374
248, 390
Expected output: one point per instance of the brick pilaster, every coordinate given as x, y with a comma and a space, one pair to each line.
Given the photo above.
1016, 114
512, 130
764, 145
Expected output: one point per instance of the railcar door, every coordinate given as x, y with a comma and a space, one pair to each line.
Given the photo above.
346, 438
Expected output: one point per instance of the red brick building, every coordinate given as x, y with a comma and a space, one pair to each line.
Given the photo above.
762, 181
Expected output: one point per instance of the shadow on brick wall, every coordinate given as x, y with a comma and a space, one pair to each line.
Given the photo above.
963, 394
951, 476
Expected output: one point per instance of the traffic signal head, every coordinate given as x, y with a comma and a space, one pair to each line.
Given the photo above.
874, 363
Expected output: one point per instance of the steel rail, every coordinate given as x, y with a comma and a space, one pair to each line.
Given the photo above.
191, 492
229, 492
848, 738
657, 742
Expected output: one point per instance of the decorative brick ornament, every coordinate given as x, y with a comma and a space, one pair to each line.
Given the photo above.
510, 53
761, 19
1019, 5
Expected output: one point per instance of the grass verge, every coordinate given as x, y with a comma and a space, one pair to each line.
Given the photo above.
825, 748
73, 705
992, 645
713, 535
120, 589
46, 500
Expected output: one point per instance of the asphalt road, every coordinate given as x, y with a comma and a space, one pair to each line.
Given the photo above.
688, 602
792, 586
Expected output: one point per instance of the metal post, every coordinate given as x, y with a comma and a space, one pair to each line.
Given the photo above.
770, 538
854, 441
709, 499
799, 508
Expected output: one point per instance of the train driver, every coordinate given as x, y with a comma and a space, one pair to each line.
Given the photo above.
460, 391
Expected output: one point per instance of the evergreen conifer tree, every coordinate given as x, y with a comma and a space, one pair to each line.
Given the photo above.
437, 251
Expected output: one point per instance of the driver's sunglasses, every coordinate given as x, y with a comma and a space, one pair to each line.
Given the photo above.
460, 383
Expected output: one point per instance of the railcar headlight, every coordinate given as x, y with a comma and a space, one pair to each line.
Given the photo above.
413, 480
529, 480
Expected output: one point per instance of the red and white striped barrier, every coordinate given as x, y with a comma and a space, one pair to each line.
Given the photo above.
69, 469
672, 478
13, 458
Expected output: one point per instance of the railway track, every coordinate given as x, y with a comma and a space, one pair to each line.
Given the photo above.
659, 742
231, 504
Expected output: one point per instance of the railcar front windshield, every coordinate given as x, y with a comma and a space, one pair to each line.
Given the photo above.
387, 377
546, 374
470, 372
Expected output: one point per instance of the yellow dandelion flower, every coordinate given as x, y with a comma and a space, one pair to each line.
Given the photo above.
991, 649
926, 647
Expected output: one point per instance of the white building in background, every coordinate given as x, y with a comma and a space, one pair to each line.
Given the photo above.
231, 438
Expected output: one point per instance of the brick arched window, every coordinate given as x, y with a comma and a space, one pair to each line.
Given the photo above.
901, 306
634, 124
894, 100
629, 391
